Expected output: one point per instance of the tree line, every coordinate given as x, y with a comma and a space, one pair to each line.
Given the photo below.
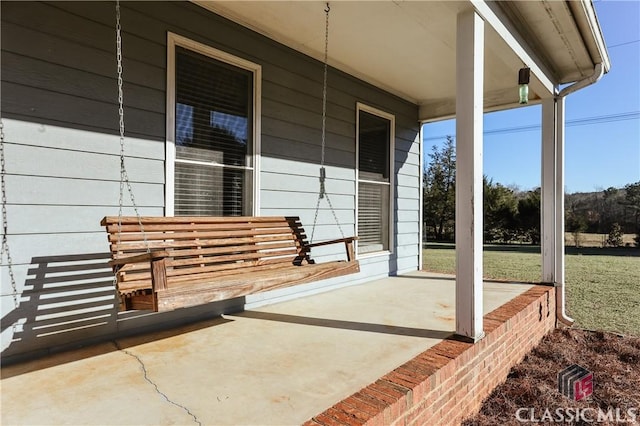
513, 215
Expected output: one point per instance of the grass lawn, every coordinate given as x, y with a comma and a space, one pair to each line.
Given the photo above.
603, 285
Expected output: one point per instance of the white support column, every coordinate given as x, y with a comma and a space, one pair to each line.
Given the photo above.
548, 192
552, 199
469, 114
559, 195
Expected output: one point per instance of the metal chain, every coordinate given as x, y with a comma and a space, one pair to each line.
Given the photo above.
335, 217
315, 220
324, 81
124, 177
5, 224
323, 193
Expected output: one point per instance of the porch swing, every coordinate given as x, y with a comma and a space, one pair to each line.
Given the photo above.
166, 263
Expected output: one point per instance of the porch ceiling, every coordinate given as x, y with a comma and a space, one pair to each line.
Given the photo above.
408, 47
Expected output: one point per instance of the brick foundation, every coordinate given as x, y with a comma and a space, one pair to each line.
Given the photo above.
448, 382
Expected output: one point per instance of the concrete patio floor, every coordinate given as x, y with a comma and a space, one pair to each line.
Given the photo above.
276, 365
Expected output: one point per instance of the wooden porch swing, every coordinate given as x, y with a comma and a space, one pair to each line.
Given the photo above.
165, 263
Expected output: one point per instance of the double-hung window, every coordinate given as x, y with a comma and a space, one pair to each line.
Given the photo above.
212, 131
375, 135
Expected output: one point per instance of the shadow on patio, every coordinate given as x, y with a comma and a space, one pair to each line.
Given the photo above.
279, 364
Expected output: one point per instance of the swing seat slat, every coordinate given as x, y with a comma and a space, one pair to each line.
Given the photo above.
177, 262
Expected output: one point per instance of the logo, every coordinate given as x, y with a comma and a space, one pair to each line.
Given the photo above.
576, 415
575, 382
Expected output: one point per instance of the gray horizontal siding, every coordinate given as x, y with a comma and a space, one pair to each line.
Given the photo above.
404, 239
61, 219
40, 135
273, 182
63, 163
272, 164
60, 108
77, 192
407, 180
408, 169
407, 184
407, 204
64, 49
286, 140
406, 197
410, 216
280, 199
70, 81
79, 112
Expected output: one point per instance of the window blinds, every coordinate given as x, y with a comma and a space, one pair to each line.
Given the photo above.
213, 165
374, 134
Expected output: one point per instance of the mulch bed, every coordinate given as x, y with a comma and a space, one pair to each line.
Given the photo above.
531, 396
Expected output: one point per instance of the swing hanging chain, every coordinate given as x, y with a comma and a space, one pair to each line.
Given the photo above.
124, 176
315, 220
323, 173
5, 223
324, 85
335, 217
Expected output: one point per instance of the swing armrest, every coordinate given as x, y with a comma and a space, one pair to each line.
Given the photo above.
346, 240
348, 245
139, 258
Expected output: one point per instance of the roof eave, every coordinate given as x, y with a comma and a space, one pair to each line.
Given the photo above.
587, 21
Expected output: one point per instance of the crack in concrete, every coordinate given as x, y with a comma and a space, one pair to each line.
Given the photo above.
154, 384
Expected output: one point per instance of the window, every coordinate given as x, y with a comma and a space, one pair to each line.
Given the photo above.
375, 134
212, 131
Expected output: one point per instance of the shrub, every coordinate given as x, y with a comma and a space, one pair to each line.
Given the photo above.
615, 236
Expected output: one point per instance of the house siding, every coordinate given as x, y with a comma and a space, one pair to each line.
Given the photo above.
59, 107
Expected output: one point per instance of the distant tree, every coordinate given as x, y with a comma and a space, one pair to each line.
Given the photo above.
632, 202
615, 235
439, 191
500, 212
600, 209
529, 216
576, 224
605, 207
609, 204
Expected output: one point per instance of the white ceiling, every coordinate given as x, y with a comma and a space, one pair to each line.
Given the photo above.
408, 47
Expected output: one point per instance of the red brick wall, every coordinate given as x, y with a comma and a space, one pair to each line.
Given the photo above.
449, 381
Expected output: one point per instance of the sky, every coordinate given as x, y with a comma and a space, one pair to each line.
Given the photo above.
602, 138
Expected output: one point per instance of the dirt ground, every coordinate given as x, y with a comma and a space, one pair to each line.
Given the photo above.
531, 396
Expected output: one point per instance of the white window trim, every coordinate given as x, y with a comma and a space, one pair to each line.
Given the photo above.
392, 175
174, 40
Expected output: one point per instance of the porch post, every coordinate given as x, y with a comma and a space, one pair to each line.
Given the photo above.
548, 191
469, 111
559, 195
552, 199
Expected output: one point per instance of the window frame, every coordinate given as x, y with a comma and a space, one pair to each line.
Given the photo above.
173, 41
392, 137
